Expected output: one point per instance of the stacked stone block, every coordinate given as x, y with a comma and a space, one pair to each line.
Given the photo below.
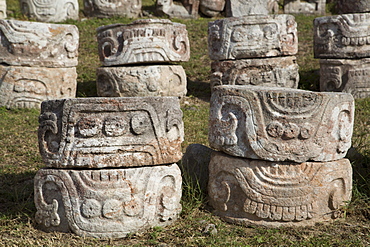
141, 53
38, 62
342, 43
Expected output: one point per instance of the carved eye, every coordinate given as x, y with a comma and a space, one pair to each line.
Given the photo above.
91, 208
275, 129
115, 126
239, 35
88, 127
140, 123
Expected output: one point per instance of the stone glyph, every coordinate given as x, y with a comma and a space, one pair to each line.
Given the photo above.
268, 72
27, 87
275, 194
108, 8
143, 41
350, 6
237, 8
110, 132
342, 36
313, 7
279, 124
50, 10
107, 203
252, 37
26, 43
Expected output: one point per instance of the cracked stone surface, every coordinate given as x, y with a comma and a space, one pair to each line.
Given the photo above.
109, 8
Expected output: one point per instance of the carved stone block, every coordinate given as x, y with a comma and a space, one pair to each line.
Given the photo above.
313, 7
252, 37
183, 9
27, 87
139, 81
237, 8
143, 41
346, 75
274, 194
50, 10
273, 6
267, 72
111, 132
107, 203
2, 9
350, 6
279, 124
108, 8
342, 36
38, 44
212, 8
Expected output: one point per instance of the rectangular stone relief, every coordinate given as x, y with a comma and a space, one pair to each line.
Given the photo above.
313, 7
346, 75
237, 8
276, 194
107, 203
267, 72
252, 37
143, 41
279, 124
109, 8
110, 132
38, 44
139, 81
342, 36
27, 87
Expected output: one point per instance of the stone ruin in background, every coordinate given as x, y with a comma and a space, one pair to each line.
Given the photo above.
38, 62
106, 9
313, 7
3, 9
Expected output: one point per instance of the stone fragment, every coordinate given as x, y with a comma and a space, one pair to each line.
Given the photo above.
237, 8
212, 8
107, 203
273, 6
267, 72
2, 9
275, 194
143, 41
252, 37
50, 10
27, 87
342, 36
139, 81
38, 44
110, 132
346, 75
279, 124
313, 7
351, 6
181, 9
109, 8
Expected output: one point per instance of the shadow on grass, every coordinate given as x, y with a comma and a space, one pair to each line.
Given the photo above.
199, 89
309, 80
86, 89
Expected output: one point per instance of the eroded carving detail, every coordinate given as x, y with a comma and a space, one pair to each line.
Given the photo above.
183, 9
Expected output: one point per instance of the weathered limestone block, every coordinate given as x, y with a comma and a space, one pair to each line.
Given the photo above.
346, 75
111, 132
211, 8
38, 44
313, 7
252, 37
108, 8
342, 36
27, 87
274, 194
107, 203
2, 9
50, 10
350, 6
237, 8
139, 81
273, 6
267, 72
143, 41
279, 124
182, 9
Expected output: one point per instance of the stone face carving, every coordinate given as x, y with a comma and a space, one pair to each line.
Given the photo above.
108, 8
139, 81
252, 37
38, 44
279, 124
27, 87
346, 75
237, 8
274, 194
2, 9
268, 72
184, 9
107, 203
316, 7
211, 8
342, 36
50, 10
110, 132
349, 6
143, 41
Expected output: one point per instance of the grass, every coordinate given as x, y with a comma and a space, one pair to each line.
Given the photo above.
20, 159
